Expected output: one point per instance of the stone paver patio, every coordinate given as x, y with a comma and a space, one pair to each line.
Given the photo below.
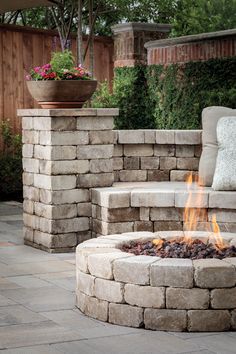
38, 315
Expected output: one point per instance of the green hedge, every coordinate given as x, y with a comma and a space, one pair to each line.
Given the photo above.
170, 97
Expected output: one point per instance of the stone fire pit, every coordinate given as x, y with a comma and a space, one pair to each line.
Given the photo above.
169, 294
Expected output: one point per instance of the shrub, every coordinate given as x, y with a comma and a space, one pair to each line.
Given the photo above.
10, 164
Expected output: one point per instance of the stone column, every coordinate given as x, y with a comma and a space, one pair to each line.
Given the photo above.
65, 154
129, 40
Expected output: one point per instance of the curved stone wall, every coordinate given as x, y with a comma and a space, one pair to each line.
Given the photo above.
159, 294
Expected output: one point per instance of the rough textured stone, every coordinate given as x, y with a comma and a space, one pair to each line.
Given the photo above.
85, 283
133, 176
131, 163
144, 214
28, 206
188, 137
164, 150
94, 123
50, 241
165, 136
165, 320
64, 225
64, 197
63, 138
233, 319
149, 136
188, 163
30, 137
100, 165
31, 193
63, 167
110, 198
28, 179
28, 150
90, 180
63, 211
134, 270
222, 200
144, 296
92, 307
174, 272
125, 315
164, 214
185, 151
102, 137
27, 123
109, 290
101, 265
104, 228
181, 176
130, 136
167, 225
214, 273
138, 150
55, 152
54, 182
208, 320
30, 165
118, 163
186, 299
143, 226
150, 163
152, 198
94, 152
167, 163
28, 234
196, 198
118, 150
158, 175
223, 298
119, 214
84, 209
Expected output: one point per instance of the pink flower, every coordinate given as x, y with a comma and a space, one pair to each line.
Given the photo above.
28, 77
37, 69
46, 67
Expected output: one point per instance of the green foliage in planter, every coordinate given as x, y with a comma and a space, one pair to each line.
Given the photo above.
10, 164
170, 97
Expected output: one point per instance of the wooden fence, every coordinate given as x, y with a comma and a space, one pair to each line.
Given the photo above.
21, 48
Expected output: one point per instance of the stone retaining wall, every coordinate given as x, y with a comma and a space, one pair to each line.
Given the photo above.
156, 155
158, 294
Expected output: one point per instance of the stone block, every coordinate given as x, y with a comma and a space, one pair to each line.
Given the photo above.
64, 225
135, 270
144, 214
31, 221
64, 197
63, 138
104, 228
30, 137
144, 296
118, 163
181, 176
111, 198
118, 150
167, 225
28, 179
131, 163
223, 298
27, 123
138, 150
131, 137
188, 137
196, 198
102, 137
164, 150
63, 211
133, 176
233, 319
158, 175
165, 136
187, 299
100, 165
84, 209
125, 315
31, 193
185, 151
94, 152
221, 200
198, 150
174, 272
214, 273
109, 290
150, 163
55, 152
222, 215
165, 320
28, 150
83, 236
85, 283
165, 214
68, 240
208, 320
54, 123
28, 234
150, 136
28, 206
143, 226
101, 265
63, 167
30, 165
90, 180
94, 123
54, 182
152, 198
188, 163
167, 163
119, 214
91, 306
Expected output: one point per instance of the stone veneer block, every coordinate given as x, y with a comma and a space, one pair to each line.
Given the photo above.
91, 306
110, 198
119, 214
109, 290
130, 136
138, 150
63, 167
85, 283
101, 265
195, 198
222, 200
63, 138
54, 123
187, 299
103, 137
63, 211
165, 137
94, 152
152, 198
214, 273
208, 320
223, 298
64, 197
92, 123
172, 272
125, 315
165, 320
144, 296
54, 182
188, 137
90, 180
134, 270
133, 175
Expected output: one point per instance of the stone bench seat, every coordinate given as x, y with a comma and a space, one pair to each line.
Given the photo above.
155, 206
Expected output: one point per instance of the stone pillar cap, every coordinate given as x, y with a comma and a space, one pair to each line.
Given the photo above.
141, 26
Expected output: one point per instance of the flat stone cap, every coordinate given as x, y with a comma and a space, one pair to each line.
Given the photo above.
140, 26
189, 39
67, 112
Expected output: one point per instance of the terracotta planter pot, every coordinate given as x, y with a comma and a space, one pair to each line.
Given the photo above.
62, 94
